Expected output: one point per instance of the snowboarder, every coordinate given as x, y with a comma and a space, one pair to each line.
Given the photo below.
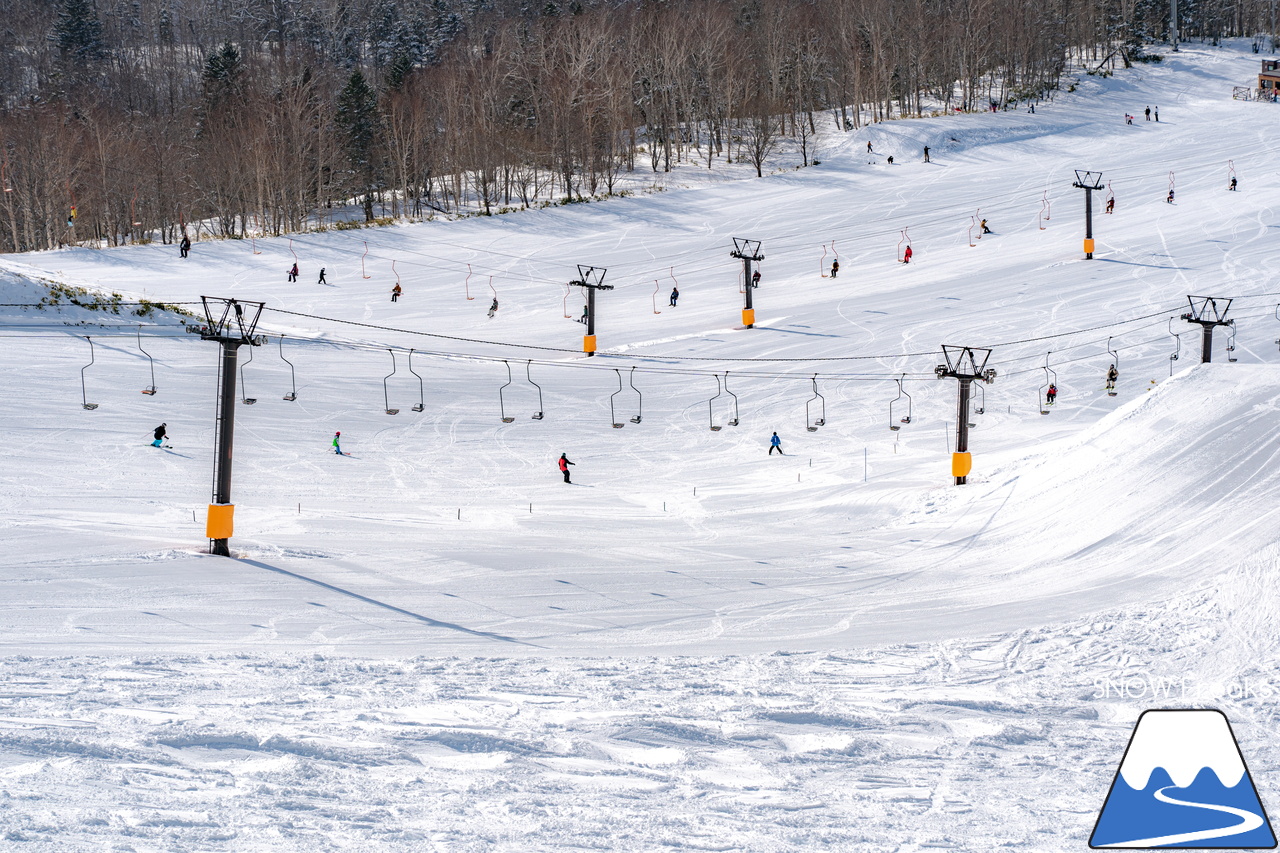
1051, 394
293, 273
1148, 112
675, 294
185, 246
985, 229
1233, 185
835, 267
564, 466
869, 147
395, 292
755, 278
1112, 376
493, 309
775, 443
337, 436
322, 281
1128, 119
906, 256
1169, 198
160, 436
926, 153
1032, 109
1111, 204
890, 160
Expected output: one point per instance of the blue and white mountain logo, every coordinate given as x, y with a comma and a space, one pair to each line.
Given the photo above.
1183, 783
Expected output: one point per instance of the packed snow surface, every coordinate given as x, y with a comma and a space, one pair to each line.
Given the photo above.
433, 643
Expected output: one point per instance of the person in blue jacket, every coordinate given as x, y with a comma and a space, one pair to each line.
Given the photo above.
775, 443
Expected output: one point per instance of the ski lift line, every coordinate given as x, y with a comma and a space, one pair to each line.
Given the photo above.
576, 352
1011, 373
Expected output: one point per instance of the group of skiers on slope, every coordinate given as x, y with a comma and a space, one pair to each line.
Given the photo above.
889, 159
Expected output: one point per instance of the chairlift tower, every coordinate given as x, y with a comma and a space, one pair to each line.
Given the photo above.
965, 364
1089, 182
1207, 312
230, 322
591, 279
747, 251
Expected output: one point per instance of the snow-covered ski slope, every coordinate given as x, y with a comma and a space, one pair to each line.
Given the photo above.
444, 560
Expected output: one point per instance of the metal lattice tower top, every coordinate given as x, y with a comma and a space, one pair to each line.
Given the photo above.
1208, 309
591, 277
746, 249
231, 320
966, 363
1086, 180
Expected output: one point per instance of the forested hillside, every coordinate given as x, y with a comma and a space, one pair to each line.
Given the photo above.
130, 120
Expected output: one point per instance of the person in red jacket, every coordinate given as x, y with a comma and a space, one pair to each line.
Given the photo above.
564, 466
906, 256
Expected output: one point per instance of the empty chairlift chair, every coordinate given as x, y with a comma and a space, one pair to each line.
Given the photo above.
422, 399
896, 425
386, 395
244, 396
537, 416
711, 406
816, 402
631, 378
293, 379
150, 390
502, 404
613, 417
84, 394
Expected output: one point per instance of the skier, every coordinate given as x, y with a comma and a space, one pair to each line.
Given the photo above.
395, 292
775, 443
1111, 204
926, 153
1032, 109
1128, 119
493, 309
564, 466
675, 294
1112, 376
890, 160
583, 318
906, 256
293, 273
868, 147
835, 267
985, 229
1148, 112
322, 281
1169, 198
160, 435
1157, 112
755, 278
1233, 185
185, 246
336, 438
1051, 394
